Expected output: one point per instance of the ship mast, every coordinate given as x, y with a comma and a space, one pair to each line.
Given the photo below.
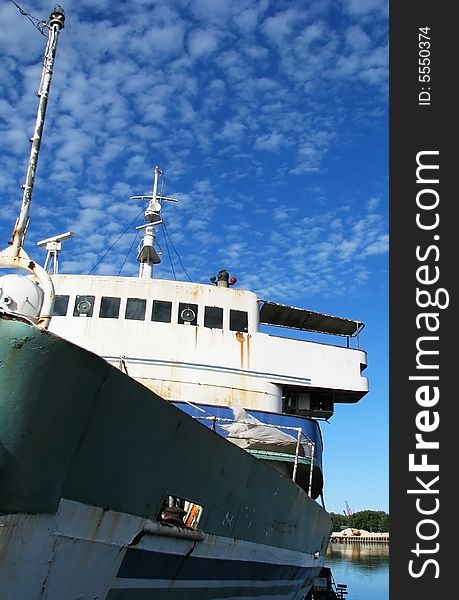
55, 24
147, 255
15, 256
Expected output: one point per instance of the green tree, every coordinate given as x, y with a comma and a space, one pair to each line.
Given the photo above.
385, 523
339, 521
370, 520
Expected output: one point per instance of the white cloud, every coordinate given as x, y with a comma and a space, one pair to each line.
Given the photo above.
362, 7
202, 43
379, 246
233, 130
357, 39
270, 141
91, 200
245, 105
313, 32
372, 204
247, 19
281, 25
256, 52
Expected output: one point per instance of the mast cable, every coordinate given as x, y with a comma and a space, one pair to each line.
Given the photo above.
168, 253
166, 237
175, 250
116, 241
128, 252
38, 23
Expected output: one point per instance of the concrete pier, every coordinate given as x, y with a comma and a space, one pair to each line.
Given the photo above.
357, 536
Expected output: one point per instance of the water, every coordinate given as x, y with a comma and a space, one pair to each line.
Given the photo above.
363, 568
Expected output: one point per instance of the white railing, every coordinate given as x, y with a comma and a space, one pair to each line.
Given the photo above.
301, 440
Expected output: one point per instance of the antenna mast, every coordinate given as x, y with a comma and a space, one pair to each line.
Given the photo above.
147, 255
55, 24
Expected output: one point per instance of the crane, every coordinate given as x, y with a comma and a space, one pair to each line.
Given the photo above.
348, 510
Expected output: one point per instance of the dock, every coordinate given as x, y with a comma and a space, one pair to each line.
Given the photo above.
358, 537
325, 587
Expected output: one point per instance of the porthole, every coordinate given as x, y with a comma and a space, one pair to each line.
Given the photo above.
83, 306
188, 315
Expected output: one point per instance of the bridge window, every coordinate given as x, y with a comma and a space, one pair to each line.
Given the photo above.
135, 309
84, 305
61, 304
188, 313
109, 307
161, 311
238, 320
213, 317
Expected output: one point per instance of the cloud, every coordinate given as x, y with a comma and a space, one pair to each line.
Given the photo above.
202, 42
233, 130
363, 7
379, 246
248, 19
281, 25
251, 110
357, 39
270, 141
372, 204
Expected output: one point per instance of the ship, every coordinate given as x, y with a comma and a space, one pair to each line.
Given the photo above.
159, 439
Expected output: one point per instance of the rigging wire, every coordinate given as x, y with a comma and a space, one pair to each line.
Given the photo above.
116, 241
128, 252
166, 237
168, 252
175, 250
38, 23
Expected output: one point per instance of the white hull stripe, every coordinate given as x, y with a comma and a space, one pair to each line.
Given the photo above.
203, 584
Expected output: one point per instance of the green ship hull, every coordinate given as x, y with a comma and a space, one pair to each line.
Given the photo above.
88, 457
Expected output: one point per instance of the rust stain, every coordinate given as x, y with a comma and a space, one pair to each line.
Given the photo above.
240, 339
158, 387
248, 350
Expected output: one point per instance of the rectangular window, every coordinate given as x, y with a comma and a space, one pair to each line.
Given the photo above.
188, 313
109, 307
213, 317
161, 311
61, 304
238, 320
84, 305
135, 309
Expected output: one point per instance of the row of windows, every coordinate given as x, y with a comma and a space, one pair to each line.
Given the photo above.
161, 311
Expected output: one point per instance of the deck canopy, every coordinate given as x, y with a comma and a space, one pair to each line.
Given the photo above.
282, 315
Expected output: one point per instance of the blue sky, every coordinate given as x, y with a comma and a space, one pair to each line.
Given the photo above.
269, 119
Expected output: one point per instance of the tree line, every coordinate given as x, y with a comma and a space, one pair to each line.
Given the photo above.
370, 520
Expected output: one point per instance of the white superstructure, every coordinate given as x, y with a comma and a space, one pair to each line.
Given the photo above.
202, 343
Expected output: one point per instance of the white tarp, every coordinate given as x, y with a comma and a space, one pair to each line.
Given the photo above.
250, 433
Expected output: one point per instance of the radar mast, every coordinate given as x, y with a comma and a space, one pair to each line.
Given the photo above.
147, 255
